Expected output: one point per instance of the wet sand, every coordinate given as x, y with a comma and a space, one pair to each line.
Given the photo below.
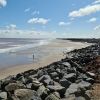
54, 52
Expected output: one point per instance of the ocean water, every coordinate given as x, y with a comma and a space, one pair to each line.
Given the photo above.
18, 51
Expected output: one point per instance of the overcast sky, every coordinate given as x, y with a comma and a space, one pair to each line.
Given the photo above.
50, 18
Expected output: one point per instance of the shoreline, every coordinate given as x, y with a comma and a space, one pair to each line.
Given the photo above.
53, 56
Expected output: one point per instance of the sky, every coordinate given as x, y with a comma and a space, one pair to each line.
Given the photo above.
50, 18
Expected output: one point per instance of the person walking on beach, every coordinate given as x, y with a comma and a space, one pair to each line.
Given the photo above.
33, 56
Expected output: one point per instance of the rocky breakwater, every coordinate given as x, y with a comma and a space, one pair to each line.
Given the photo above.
67, 79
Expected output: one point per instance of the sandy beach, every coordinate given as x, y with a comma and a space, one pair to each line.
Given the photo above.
54, 52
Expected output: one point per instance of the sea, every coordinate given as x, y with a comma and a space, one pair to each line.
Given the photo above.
19, 51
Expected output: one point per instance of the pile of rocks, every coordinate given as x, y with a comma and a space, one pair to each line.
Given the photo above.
63, 80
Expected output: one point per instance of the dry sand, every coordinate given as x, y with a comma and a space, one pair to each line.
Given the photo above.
55, 49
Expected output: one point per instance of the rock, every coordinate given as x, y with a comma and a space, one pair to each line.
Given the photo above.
14, 86
90, 80
35, 85
82, 76
52, 97
19, 75
13, 97
51, 69
87, 95
65, 83
78, 88
58, 70
26, 94
67, 64
22, 79
56, 79
43, 92
33, 76
91, 74
57, 88
56, 94
40, 73
84, 84
46, 80
70, 97
73, 88
71, 70
54, 74
6, 81
44, 77
29, 86
70, 77
3, 95
80, 98
0, 84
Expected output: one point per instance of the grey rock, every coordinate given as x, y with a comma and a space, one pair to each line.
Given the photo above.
70, 77
54, 74
14, 86
22, 79
44, 77
35, 85
43, 92
67, 64
40, 73
52, 97
56, 79
82, 76
90, 80
91, 74
65, 83
56, 94
58, 70
29, 86
3, 95
80, 98
87, 95
70, 97
46, 80
84, 84
71, 70
73, 88
13, 97
26, 94
57, 88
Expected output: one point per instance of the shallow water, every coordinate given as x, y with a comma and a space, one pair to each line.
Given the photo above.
15, 52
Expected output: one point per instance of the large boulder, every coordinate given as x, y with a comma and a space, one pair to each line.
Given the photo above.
13, 86
52, 97
57, 88
54, 74
84, 84
43, 92
73, 88
40, 73
3, 95
70, 77
26, 94
35, 85
46, 80
67, 64
65, 83
80, 98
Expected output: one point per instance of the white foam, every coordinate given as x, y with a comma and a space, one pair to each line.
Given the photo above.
16, 48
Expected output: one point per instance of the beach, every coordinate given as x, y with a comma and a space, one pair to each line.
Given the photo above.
50, 52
